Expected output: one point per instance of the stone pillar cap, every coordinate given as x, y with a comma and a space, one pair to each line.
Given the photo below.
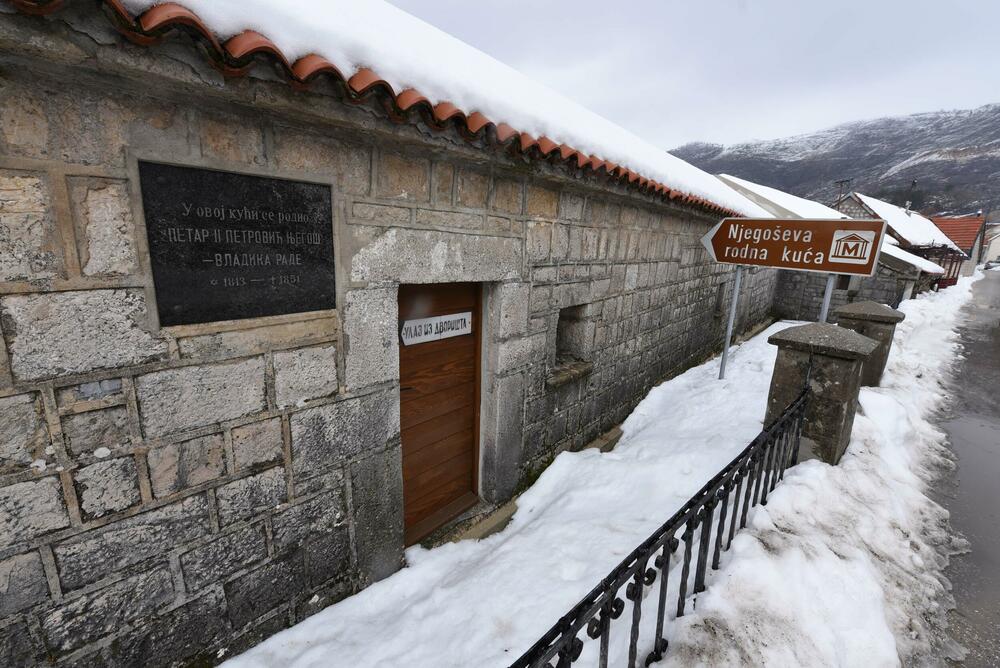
822, 338
869, 310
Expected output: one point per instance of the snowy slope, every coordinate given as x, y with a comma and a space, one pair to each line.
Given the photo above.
408, 53
954, 156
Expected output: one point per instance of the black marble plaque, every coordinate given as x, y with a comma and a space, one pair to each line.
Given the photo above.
225, 246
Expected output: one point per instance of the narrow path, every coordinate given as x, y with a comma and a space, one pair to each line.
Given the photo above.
973, 495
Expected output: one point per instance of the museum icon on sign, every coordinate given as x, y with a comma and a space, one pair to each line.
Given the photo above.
852, 247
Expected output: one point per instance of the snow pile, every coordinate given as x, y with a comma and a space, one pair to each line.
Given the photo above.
842, 567
917, 230
408, 53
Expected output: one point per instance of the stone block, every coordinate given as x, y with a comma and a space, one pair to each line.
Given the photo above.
327, 556
257, 443
467, 221
107, 487
86, 432
29, 238
349, 163
66, 333
377, 491
240, 141
176, 466
17, 647
327, 435
22, 583
831, 358
304, 374
502, 450
539, 241
177, 399
423, 256
473, 187
263, 589
92, 555
100, 613
513, 298
518, 352
23, 434
370, 321
542, 202
403, 177
507, 195
571, 206
444, 181
248, 496
105, 227
225, 555
29, 509
380, 215
182, 637
24, 124
318, 517
108, 389
255, 340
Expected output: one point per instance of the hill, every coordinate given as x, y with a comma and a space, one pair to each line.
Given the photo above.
954, 157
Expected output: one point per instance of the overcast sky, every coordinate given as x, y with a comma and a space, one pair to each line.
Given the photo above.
726, 71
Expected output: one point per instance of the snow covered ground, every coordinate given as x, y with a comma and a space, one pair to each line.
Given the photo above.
840, 569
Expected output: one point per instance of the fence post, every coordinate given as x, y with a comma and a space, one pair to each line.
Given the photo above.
876, 321
830, 358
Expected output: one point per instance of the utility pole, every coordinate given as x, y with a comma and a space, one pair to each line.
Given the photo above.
844, 186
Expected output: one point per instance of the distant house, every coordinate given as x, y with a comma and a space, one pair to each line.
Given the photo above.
968, 233
913, 232
799, 295
991, 242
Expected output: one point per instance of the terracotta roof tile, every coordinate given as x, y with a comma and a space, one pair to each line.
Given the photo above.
237, 55
963, 230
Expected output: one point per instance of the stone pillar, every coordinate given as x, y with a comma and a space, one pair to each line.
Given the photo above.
876, 321
835, 356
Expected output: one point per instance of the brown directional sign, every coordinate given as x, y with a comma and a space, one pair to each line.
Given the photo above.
827, 246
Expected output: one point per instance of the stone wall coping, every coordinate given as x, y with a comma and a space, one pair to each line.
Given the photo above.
825, 339
869, 310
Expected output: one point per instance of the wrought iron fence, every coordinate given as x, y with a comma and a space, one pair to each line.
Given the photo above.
685, 537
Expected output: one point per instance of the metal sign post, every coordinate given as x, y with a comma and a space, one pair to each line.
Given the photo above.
732, 319
827, 294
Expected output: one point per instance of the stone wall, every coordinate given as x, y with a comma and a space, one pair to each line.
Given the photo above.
173, 495
799, 295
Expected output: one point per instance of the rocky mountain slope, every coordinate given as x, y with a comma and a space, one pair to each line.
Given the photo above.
954, 157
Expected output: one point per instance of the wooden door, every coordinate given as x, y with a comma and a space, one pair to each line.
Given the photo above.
439, 402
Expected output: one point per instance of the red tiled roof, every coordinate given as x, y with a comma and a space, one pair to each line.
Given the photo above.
963, 230
236, 56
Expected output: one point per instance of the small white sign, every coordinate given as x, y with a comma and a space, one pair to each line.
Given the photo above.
852, 246
437, 327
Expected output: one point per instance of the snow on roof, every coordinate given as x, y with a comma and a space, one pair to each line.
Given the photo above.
914, 260
409, 54
797, 206
914, 228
